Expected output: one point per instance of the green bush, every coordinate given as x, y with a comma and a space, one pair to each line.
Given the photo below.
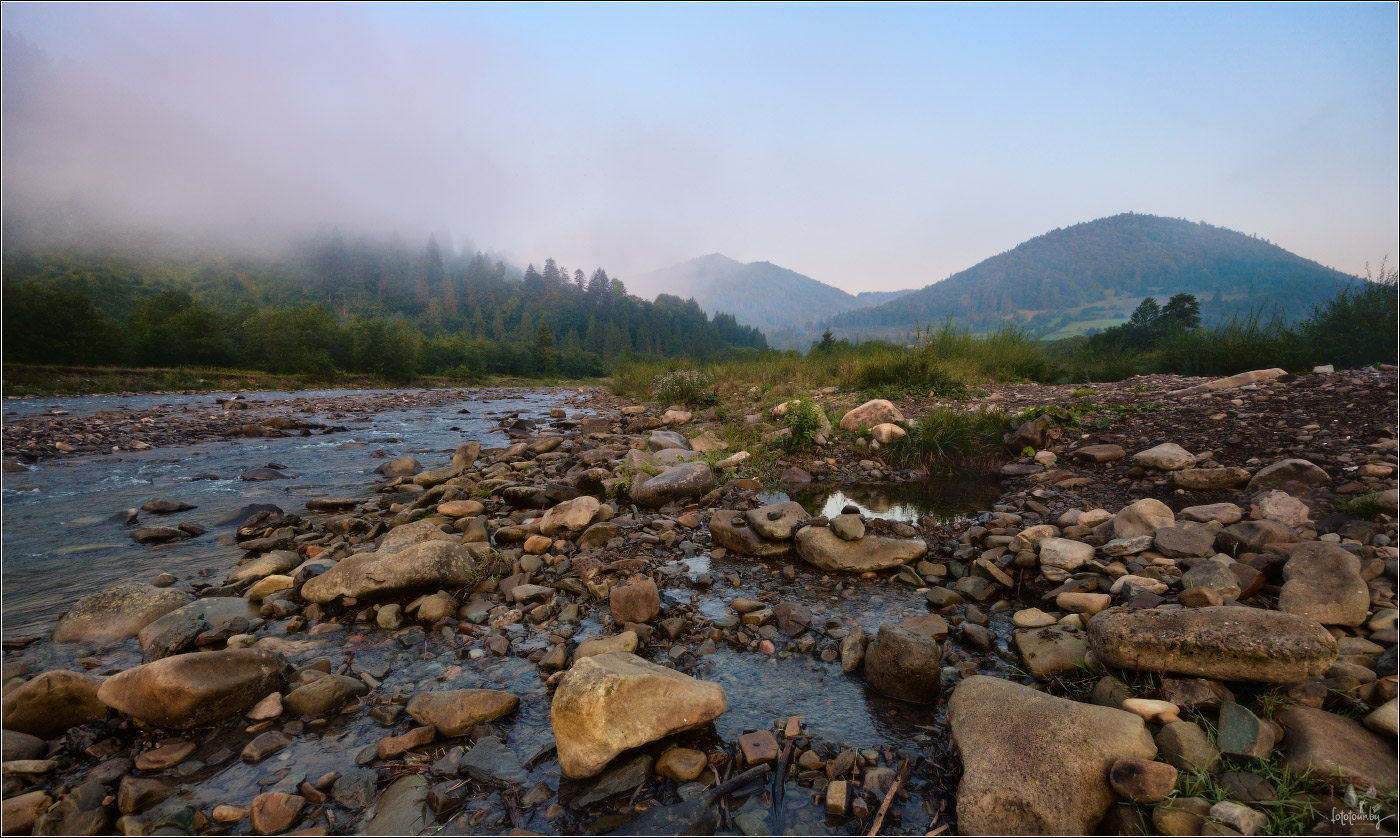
691, 388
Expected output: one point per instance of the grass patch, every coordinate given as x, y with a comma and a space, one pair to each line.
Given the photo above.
1365, 507
953, 440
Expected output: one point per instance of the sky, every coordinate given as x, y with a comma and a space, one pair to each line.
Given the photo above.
870, 147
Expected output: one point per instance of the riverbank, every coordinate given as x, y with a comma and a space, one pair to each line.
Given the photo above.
529, 634
36, 380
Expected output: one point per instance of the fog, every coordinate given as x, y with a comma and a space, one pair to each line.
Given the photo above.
871, 151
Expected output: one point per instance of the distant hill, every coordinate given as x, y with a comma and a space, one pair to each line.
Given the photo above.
760, 294
1090, 276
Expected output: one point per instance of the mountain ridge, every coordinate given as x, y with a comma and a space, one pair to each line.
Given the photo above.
789, 302
1089, 276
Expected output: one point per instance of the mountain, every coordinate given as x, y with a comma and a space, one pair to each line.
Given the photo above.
779, 301
1090, 276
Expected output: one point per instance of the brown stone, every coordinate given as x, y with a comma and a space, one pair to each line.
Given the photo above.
393, 746
636, 603
275, 811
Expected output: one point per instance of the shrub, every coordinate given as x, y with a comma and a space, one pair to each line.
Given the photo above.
691, 388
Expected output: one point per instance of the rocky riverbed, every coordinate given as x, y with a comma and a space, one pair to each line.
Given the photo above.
584, 615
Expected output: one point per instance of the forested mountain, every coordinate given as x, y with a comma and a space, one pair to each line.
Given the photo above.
333, 303
1090, 276
781, 302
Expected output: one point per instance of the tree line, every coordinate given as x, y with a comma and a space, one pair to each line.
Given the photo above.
362, 306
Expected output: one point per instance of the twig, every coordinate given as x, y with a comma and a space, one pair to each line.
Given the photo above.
631, 801
889, 796
781, 775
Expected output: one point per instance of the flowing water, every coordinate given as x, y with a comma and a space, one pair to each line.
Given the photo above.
61, 543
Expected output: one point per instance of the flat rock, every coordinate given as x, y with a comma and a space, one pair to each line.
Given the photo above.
821, 547
1052, 650
1325, 745
1165, 457
117, 612
679, 482
411, 535
1323, 582
743, 539
491, 762
400, 810
456, 712
777, 521
1225, 513
571, 516
323, 695
1106, 453
1183, 542
1230, 382
611, 703
1208, 479
1228, 643
1008, 735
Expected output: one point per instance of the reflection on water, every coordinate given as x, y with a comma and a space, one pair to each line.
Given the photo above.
947, 499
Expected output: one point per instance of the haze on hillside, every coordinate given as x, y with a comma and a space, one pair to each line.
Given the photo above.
872, 148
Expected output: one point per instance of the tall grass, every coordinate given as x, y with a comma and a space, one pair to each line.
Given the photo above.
1356, 327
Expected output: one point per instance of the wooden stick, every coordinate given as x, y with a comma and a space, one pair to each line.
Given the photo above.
889, 796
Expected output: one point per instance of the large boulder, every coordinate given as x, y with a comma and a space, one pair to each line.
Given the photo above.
1227, 643
741, 538
186, 691
903, 664
1291, 470
431, 565
872, 413
409, 535
1327, 746
688, 480
821, 547
456, 712
570, 516
1166, 457
1036, 764
50, 703
1323, 582
610, 703
116, 613
1142, 517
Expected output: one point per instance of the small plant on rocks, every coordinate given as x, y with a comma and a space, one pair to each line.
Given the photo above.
805, 421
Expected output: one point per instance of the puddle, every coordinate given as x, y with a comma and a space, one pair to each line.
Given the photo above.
946, 499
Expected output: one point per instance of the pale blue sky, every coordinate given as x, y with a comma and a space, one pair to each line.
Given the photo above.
872, 147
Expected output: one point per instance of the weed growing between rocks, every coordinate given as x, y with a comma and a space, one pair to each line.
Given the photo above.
805, 419
953, 440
